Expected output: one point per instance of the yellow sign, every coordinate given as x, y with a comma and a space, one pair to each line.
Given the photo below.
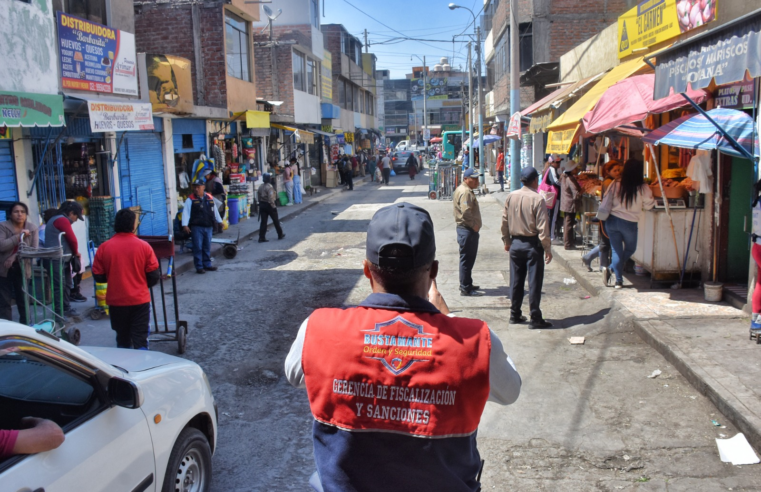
654, 21
326, 76
327, 128
560, 142
349, 137
257, 119
169, 84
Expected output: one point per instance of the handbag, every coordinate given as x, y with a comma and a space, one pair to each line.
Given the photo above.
603, 212
547, 192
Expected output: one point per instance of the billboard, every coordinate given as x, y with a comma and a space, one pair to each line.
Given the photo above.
326, 76
169, 84
436, 88
95, 57
654, 21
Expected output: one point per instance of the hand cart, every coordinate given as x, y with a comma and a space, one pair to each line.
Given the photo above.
230, 248
163, 246
39, 290
101, 308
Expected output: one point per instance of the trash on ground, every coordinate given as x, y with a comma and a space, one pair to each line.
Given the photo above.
655, 374
569, 281
737, 451
586, 297
576, 340
324, 253
716, 423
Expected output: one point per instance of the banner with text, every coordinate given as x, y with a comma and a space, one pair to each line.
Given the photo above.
120, 117
96, 58
654, 21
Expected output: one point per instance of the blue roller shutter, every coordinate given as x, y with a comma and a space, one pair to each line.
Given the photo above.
196, 129
8, 186
141, 171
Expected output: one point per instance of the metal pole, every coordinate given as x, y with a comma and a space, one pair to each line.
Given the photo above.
470, 102
481, 177
273, 63
425, 106
464, 118
515, 95
366, 48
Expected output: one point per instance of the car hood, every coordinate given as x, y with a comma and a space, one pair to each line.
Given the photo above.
132, 360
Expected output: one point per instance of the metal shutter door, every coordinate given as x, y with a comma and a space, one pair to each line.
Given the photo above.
141, 169
8, 188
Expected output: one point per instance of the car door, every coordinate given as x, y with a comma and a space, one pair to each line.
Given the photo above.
106, 447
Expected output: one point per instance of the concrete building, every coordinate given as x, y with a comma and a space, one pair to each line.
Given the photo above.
380, 100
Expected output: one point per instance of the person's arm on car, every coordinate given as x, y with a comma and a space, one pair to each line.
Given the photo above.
39, 435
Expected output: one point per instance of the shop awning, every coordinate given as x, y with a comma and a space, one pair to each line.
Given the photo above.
543, 112
563, 130
304, 136
631, 100
28, 109
722, 55
257, 119
117, 114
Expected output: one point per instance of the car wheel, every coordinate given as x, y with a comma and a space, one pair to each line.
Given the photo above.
189, 468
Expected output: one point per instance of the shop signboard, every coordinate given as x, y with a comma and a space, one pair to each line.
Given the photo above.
169, 83
654, 21
95, 57
326, 76
436, 87
327, 128
119, 117
514, 127
26, 109
349, 137
426, 133
739, 95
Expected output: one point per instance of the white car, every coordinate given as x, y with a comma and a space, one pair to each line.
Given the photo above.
134, 420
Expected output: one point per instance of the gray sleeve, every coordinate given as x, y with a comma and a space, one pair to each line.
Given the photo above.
294, 373
504, 380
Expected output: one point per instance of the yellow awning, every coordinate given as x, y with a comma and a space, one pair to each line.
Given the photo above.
257, 119
283, 127
306, 137
562, 131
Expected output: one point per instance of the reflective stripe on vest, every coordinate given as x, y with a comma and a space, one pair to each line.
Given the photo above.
202, 211
421, 374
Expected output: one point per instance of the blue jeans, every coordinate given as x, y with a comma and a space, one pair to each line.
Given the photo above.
201, 246
623, 240
501, 179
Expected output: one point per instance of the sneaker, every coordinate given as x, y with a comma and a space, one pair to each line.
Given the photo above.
619, 285
281, 237
70, 313
200, 270
539, 323
470, 293
77, 297
210, 268
518, 320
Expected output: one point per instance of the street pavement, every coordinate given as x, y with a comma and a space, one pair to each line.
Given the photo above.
588, 417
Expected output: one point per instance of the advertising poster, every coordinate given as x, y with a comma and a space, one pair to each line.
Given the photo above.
436, 88
119, 117
96, 58
654, 21
169, 84
326, 76
739, 95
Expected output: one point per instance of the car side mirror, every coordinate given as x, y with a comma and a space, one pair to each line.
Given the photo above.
124, 393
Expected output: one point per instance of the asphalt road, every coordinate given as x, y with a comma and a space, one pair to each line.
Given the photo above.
588, 417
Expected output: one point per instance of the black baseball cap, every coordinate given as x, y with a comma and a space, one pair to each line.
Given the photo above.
529, 174
405, 226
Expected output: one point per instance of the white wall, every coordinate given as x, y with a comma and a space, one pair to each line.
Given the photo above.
170, 178
306, 108
22, 153
318, 47
294, 12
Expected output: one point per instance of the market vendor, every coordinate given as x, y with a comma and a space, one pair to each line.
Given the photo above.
198, 218
216, 189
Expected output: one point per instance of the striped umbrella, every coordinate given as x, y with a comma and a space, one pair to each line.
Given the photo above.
694, 131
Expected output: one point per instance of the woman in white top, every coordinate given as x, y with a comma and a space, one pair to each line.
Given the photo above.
629, 196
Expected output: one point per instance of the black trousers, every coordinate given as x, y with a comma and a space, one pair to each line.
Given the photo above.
11, 287
386, 173
350, 179
468, 241
131, 324
265, 211
526, 258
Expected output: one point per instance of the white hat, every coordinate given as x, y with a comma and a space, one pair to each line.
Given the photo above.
570, 165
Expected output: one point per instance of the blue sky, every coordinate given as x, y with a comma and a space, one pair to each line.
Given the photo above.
429, 19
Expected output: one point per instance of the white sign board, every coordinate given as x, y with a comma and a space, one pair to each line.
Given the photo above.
120, 117
426, 134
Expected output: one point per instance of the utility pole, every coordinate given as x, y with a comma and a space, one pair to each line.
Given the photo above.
273, 62
425, 105
482, 160
464, 118
470, 102
365, 40
515, 96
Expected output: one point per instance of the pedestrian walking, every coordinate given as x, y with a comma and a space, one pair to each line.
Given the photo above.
501, 169
467, 216
13, 232
570, 202
288, 182
68, 213
198, 218
401, 383
216, 189
386, 169
411, 165
551, 177
624, 202
130, 268
526, 235
465, 159
267, 208
297, 186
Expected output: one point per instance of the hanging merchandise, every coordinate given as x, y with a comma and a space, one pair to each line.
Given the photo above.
235, 151
217, 152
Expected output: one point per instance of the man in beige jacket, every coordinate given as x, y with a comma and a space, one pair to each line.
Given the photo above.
467, 216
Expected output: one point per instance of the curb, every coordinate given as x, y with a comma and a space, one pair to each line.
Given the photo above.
216, 250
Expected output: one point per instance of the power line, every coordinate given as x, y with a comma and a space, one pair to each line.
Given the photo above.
379, 22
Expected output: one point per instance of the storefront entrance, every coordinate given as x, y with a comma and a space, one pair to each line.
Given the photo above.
8, 185
737, 184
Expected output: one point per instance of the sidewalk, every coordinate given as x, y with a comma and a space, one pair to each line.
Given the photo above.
707, 341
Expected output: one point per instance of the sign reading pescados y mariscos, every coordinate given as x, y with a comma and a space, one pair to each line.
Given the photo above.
96, 58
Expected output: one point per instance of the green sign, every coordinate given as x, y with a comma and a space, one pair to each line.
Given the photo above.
27, 109
450, 128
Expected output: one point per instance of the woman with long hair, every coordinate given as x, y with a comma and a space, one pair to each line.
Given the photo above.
628, 197
611, 172
12, 232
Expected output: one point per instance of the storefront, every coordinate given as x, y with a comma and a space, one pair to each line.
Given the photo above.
189, 140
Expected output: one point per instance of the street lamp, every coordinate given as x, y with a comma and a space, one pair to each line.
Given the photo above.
482, 178
425, 99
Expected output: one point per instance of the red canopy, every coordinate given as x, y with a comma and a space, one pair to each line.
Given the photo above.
631, 100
